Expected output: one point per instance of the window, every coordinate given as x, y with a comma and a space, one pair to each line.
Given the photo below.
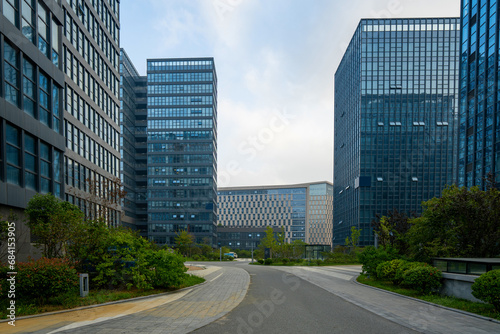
10, 9
43, 30
29, 87
57, 174
30, 162
43, 101
44, 168
55, 43
55, 108
13, 155
28, 21
11, 69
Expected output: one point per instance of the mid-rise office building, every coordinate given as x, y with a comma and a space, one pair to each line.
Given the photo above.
59, 105
303, 210
242, 237
479, 143
169, 148
396, 120
133, 145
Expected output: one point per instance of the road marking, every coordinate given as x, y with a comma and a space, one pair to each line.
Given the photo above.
330, 273
213, 279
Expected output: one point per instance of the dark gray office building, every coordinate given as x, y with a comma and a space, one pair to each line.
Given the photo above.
58, 104
396, 120
133, 145
169, 148
479, 153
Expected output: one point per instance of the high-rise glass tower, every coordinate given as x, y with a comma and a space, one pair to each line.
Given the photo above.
396, 109
479, 142
181, 149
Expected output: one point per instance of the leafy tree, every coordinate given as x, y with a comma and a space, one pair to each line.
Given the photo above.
462, 223
184, 241
53, 222
353, 241
392, 230
269, 240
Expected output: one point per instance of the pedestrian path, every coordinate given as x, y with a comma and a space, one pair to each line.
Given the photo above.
414, 314
180, 312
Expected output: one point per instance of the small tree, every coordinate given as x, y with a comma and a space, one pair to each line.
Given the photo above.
269, 241
53, 222
184, 241
353, 241
392, 229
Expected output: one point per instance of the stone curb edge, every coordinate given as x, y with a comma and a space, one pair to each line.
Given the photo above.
105, 304
354, 279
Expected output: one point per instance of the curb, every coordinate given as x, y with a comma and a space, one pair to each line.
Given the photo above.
105, 304
354, 280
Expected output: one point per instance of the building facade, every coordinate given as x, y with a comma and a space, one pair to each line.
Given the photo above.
133, 145
479, 136
305, 211
181, 149
396, 120
90, 58
242, 237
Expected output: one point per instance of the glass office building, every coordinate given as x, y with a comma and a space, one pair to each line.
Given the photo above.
133, 145
396, 120
479, 136
303, 210
181, 149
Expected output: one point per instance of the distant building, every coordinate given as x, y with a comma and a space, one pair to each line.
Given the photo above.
479, 143
242, 237
396, 120
169, 147
304, 210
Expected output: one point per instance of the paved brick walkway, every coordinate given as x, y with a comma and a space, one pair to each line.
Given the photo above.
225, 289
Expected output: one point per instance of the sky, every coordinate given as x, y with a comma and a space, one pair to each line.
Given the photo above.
275, 63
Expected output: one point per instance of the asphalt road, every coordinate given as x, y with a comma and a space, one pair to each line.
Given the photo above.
279, 302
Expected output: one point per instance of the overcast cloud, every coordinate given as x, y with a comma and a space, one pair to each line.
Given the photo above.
275, 64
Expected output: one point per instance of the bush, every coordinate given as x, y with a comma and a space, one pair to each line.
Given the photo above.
39, 280
487, 288
387, 270
166, 269
403, 268
371, 257
285, 260
267, 262
424, 279
261, 261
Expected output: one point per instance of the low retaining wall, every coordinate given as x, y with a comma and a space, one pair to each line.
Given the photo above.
457, 285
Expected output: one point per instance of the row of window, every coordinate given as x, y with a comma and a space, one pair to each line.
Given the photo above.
178, 100
82, 111
93, 210
88, 83
180, 171
181, 159
180, 89
176, 147
79, 142
179, 205
374, 26
180, 193
37, 25
31, 163
179, 135
180, 112
30, 89
181, 77
163, 216
185, 182
167, 65
180, 124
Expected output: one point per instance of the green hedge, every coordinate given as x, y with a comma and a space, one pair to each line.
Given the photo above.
371, 257
487, 288
424, 279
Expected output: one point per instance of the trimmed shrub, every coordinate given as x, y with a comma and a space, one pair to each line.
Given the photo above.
39, 280
387, 270
424, 279
487, 288
261, 261
285, 261
403, 268
371, 257
267, 262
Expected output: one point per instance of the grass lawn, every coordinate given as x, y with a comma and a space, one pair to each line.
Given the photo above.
94, 297
486, 310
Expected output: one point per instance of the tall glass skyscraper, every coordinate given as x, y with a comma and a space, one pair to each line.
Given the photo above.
479, 97
396, 109
181, 149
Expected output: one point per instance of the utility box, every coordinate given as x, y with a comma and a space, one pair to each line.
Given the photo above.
84, 285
